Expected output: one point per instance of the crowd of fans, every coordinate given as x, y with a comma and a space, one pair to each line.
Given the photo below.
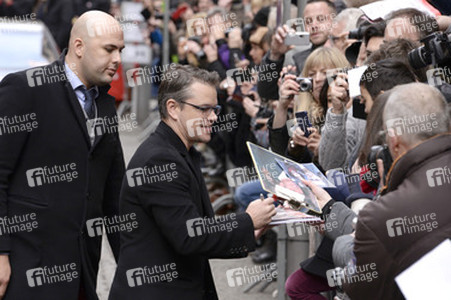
226, 36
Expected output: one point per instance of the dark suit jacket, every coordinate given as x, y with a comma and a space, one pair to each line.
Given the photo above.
61, 208
163, 210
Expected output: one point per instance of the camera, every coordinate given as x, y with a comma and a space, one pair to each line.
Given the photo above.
305, 83
436, 50
358, 33
376, 152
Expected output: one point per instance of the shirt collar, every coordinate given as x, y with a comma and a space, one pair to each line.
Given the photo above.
76, 83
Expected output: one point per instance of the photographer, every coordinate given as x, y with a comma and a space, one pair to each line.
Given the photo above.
407, 192
342, 133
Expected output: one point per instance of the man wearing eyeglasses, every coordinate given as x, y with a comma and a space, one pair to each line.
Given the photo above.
166, 255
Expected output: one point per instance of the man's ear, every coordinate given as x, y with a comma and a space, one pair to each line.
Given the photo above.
173, 108
394, 143
79, 46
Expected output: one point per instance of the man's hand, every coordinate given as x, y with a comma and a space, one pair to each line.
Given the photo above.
235, 41
321, 195
278, 47
313, 141
261, 212
5, 274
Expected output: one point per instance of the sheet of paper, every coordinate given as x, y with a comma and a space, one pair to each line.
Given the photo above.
354, 76
429, 277
380, 9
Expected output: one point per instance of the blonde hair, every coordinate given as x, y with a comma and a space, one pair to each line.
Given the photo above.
330, 58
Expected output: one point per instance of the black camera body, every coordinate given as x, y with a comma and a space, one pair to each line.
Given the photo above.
305, 84
376, 152
436, 50
358, 33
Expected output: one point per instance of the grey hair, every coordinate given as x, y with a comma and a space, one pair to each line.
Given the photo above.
422, 108
177, 82
350, 16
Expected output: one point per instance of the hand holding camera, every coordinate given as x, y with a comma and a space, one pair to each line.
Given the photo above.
288, 89
338, 93
278, 47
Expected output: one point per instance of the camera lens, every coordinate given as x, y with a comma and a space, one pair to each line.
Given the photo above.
419, 58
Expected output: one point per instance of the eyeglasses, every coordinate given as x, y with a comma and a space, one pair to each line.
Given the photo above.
206, 110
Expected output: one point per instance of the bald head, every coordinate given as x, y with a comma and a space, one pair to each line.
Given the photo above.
416, 112
93, 24
95, 45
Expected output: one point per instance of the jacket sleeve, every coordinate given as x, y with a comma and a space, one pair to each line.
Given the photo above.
339, 221
370, 254
15, 101
268, 89
332, 146
176, 214
112, 192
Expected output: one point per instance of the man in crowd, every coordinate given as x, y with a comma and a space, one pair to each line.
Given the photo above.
58, 174
177, 231
421, 148
318, 16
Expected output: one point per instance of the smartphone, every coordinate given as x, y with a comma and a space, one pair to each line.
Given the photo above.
303, 122
358, 109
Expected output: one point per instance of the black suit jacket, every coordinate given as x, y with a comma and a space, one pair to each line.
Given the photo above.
62, 206
164, 211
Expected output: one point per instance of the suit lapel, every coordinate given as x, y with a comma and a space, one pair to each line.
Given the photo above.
78, 112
